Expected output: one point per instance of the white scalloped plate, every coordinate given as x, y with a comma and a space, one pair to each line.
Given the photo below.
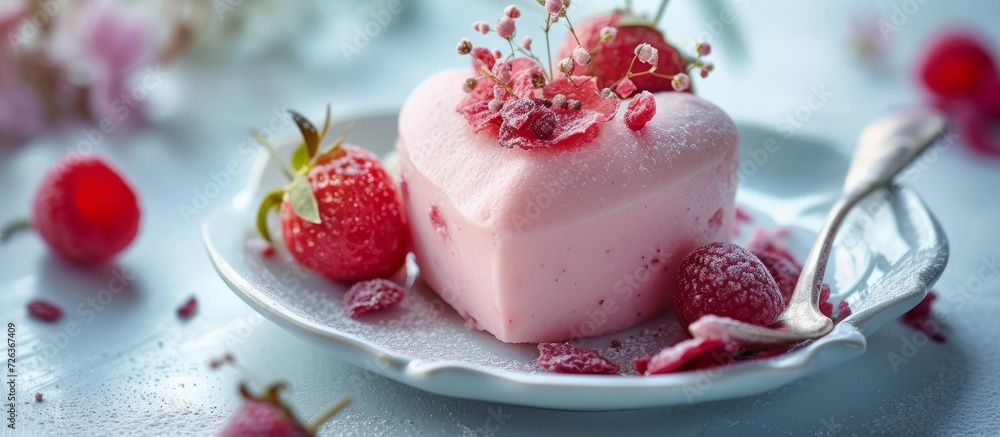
888, 254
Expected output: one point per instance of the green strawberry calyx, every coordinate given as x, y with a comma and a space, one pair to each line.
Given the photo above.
298, 192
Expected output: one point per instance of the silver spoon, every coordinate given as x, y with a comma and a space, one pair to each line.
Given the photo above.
885, 147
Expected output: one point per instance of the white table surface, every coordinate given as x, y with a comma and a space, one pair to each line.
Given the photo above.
135, 369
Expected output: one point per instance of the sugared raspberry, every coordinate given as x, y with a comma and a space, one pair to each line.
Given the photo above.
785, 273
691, 354
372, 295
640, 110
922, 319
44, 310
566, 358
726, 280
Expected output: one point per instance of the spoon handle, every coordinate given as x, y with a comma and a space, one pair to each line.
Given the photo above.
884, 149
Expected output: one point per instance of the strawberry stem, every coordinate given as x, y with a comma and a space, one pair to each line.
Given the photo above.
548, 46
274, 153
12, 228
660, 11
313, 427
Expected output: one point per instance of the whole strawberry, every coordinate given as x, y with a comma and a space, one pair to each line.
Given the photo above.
341, 215
267, 416
84, 210
612, 53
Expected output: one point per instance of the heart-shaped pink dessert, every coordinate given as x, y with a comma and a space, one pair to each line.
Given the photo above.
578, 240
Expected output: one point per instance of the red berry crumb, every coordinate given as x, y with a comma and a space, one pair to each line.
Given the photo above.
438, 223
44, 310
640, 111
85, 210
38, 397
825, 306
626, 88
726, 280
566, 358
691, 354
922, 319
372, 295
785, 273
188, 309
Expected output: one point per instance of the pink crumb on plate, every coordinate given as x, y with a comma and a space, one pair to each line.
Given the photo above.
372, 295
566, 358
44, 310
691, 354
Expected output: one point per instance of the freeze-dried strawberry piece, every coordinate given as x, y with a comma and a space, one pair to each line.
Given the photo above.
566, 358
922, 319
188, 309
640, 111
44, 310
692, 354
372, 295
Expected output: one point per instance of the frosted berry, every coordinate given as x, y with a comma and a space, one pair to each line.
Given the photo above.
566, 358
726, 280
372, 295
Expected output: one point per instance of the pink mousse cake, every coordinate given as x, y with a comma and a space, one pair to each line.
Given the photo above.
547, 245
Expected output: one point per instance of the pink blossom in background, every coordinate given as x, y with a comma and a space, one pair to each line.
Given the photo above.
106, 45
21, 110
82, 66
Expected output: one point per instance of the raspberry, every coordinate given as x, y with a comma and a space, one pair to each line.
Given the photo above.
566, 358
922, 319
785, 273
188, 309
691, 354
85, 210
726, 280
958, 66
372, 295
764, 240
44, 310
640, 111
